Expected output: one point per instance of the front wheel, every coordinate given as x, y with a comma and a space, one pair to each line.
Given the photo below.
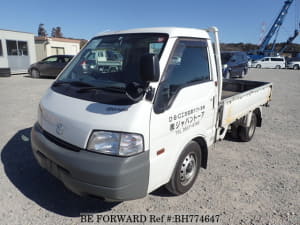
258, 66
247, 133
35, 73
243, 74
186, 169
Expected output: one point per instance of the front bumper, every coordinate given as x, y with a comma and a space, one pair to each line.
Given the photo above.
88, 173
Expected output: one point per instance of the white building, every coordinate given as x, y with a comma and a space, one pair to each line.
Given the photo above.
17, 51
47, 46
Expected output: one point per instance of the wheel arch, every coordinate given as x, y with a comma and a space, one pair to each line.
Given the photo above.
204, 150
258, 114
35, 68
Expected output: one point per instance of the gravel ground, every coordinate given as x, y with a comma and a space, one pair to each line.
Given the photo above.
245, 183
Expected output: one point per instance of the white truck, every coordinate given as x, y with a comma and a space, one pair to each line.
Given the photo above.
123, 134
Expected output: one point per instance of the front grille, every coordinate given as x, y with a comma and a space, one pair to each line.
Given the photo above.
59, 142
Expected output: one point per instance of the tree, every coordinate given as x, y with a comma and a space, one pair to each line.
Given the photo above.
56, 32
42, 31
53, 32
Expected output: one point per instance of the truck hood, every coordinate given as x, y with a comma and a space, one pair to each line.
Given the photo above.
73, 120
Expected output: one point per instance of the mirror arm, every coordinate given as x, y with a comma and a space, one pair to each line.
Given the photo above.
150, 93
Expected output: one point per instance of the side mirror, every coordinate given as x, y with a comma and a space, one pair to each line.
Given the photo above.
149, 68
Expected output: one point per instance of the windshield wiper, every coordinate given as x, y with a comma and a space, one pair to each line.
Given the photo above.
105, 88
74, 83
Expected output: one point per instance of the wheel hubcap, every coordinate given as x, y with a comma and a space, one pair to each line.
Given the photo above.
188, 169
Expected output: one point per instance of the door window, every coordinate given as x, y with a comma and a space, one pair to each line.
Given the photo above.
51, 59
67, 59
277, 59
188, 65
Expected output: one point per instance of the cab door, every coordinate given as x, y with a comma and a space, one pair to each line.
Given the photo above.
184, 107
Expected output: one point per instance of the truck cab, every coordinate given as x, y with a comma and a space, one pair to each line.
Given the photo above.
120, 134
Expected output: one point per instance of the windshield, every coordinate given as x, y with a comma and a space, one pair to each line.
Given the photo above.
113, 60
225, 57
107, 70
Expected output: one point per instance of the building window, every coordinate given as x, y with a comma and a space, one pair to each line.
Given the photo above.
23, 49
1, 51
12, 48
18, 48
57, 51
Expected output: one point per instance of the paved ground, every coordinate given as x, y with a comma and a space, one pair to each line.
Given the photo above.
246, 183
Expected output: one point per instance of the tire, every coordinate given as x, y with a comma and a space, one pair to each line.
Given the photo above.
296, 67
258, 66
35, 73
186, 169
227, 75
277, 67
243, 74
113, 70
247, 133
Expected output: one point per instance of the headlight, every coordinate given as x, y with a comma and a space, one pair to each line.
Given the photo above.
114, 143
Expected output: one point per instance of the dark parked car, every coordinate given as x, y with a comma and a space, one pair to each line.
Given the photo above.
50, 66
235, 64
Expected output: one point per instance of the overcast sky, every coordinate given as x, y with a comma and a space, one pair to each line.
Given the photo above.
238, 20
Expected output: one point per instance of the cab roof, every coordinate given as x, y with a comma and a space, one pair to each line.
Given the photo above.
171, 31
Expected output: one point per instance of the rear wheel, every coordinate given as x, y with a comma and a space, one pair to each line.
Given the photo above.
277, 67
258, 66
35, 73
246, 133
186, 170
296, 67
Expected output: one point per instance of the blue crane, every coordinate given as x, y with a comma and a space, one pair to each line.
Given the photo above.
262, 51
289, 41
275, 28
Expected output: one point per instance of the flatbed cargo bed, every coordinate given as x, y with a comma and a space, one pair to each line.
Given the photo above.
239, 97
